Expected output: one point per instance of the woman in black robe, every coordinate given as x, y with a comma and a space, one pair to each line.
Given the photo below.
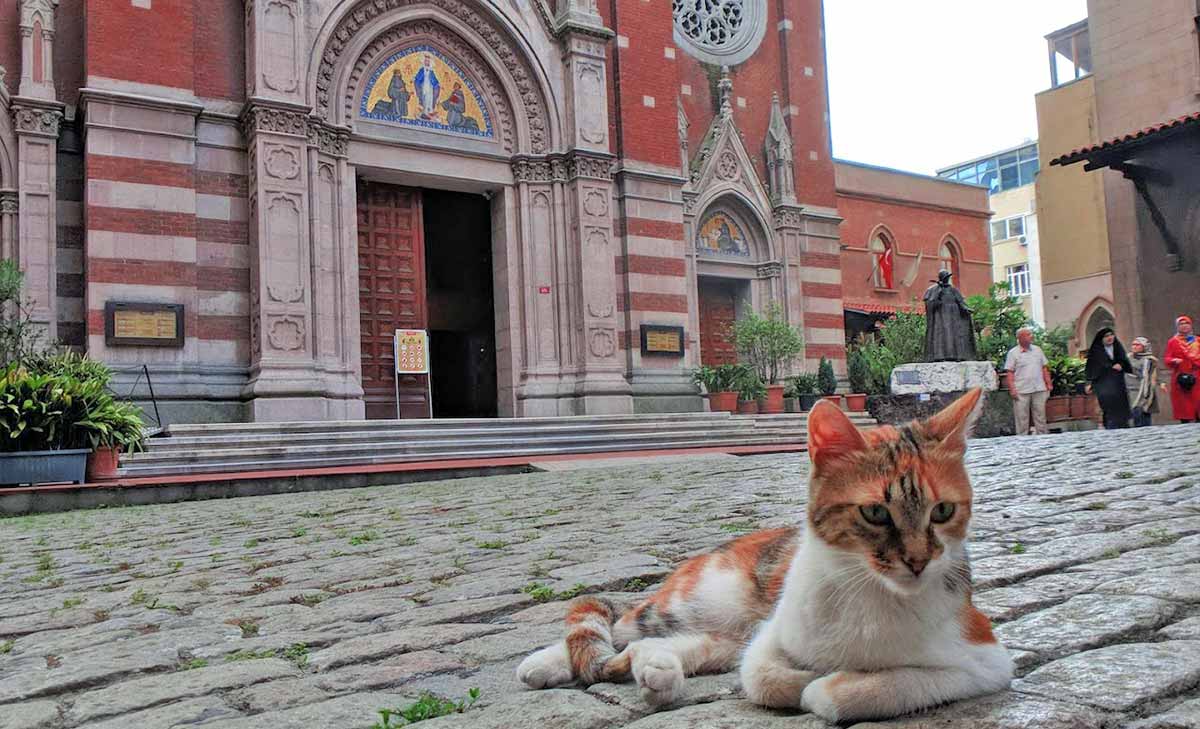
1107, 365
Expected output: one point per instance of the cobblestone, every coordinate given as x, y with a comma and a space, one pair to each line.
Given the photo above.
318, 609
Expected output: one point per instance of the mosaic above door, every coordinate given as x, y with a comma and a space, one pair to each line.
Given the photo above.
418, 86
720, 235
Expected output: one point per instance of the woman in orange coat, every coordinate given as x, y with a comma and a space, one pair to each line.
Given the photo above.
1182, 356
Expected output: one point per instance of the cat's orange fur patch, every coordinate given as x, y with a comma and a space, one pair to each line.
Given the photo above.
681, 583
581, 611
976, 628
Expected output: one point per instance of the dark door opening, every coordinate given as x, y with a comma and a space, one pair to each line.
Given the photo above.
460, 302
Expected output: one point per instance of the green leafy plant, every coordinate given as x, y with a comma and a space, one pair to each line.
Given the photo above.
901, 340
827, 382
751, 387
545, 593
19, 336
805, 383
1065, 374
768, 342
427, 706
996, 317
722, 378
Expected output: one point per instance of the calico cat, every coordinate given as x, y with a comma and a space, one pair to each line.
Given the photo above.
865, 614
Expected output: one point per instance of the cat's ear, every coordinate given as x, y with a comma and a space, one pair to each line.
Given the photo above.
831, 435
957, 420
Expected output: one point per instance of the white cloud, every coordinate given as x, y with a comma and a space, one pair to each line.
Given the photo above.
922, 84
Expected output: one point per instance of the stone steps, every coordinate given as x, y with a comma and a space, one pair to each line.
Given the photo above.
196, 449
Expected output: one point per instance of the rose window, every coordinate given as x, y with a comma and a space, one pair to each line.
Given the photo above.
724, 32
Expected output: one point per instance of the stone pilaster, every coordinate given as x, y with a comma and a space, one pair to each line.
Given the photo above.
9, 206
36, 123
275, 50
37, 49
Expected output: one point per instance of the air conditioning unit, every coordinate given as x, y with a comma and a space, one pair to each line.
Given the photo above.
1024, 242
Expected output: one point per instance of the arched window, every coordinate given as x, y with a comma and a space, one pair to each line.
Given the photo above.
948, 260
883, 260
1099, 319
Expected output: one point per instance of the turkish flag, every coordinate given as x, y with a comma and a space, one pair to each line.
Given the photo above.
885, 267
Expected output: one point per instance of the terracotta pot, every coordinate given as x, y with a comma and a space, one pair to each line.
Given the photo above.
856, 402
1058, 408
1079, 406
748, 407
102, 464
723, 402
835, 399
1003, 374
773, 404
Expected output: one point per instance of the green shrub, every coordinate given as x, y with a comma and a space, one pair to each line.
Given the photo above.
46, 411
996, 317
825, 377
900, 341
858, 370
1065, 374
751, 387
804, 383
18, 334
767, 341
722, 378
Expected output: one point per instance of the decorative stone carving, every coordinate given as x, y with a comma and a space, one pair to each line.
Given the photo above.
512, 60
286, 333
529, 169
37, 121
770, 269
595, 202
600, 309
788, 217
682, 127
463, 54
595, 167
594, 121
279, 34
285, 283
37, 49
597, 239
281, 162
334, 141
778, 148
9, 202
689, 203
727, 166
602, 341
719, 31
259, 118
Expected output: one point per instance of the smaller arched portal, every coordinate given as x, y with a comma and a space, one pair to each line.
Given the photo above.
734, 272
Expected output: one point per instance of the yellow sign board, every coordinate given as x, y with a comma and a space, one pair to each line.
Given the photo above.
411, 348
144, 324
663, 341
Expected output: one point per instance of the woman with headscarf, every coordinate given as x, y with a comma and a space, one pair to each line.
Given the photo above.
1182, 356
1142, 382
1106, 368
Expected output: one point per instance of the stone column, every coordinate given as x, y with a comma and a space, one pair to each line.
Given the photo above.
8, 224
36, 123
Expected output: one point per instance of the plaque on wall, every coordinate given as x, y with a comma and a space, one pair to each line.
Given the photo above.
143, 325
658, 339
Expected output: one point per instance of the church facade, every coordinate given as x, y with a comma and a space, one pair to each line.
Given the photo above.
245, 199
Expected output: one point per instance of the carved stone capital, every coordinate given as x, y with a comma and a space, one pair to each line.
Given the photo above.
276, 120
36, 120
533, 169
770, 269
689, 203
589, 165
787, 217
9, 202
334, 141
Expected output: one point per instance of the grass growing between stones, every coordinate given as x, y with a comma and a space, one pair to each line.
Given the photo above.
427, 706
545, 593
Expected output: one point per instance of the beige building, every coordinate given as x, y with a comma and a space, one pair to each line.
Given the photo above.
1009, 177
1076, 275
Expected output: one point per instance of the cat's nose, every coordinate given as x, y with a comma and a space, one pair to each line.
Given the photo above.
915, 564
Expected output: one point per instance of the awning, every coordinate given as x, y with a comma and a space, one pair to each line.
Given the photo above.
1123, 145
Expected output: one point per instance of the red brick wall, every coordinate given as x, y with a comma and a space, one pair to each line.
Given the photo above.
221, 49
68, 50
640, 70
161, 38
915, 228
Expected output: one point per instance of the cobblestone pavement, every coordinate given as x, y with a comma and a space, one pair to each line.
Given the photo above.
316, 610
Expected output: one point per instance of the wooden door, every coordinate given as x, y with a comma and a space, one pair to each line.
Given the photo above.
718, 311
391, 281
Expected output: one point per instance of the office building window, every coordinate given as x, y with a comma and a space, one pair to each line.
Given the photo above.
1008, 228
1002, 172
1018, 279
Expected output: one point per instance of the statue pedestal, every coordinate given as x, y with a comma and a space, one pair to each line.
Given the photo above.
926, 377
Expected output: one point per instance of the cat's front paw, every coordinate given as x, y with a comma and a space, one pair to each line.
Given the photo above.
818, 698
660, 674
547, 668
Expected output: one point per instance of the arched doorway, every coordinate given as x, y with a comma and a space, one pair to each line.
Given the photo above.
1100, 318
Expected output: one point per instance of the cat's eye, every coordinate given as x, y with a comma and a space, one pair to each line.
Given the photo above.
942, 512
876, 514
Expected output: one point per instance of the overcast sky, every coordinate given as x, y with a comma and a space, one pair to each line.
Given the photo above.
922, 84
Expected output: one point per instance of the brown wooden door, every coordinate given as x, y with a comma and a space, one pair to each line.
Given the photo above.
391, 281
718, 311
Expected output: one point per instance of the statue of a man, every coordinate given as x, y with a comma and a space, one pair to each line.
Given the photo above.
949, 336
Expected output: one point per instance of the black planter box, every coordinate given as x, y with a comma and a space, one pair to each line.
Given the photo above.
34, 467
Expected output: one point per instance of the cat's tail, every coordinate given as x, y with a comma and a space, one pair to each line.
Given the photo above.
590, 641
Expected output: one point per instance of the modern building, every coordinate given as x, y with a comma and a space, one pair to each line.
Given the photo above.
899, 230
1009, 176
245, 200
1145, 63
1076, 273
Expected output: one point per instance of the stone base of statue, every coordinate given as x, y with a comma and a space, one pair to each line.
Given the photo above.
926, 377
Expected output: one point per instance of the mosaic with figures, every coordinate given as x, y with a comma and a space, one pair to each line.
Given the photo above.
721, 235
418, 86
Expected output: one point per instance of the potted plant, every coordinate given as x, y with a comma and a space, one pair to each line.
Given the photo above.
720, 384
827, 382
859, 372
750, 390
805, 385
769, 345
1064, 373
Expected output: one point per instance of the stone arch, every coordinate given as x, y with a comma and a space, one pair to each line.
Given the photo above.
950, 245
750, 219
471, 32
1096, 315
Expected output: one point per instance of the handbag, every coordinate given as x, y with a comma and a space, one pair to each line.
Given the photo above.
1186, 381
